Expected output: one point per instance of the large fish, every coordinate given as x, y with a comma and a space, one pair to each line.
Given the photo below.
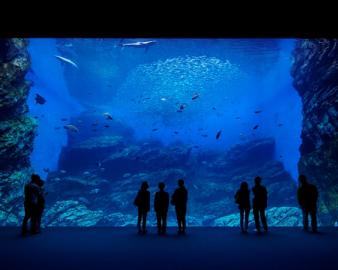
71, 128
66, 60
139, 44
40, 99
218, 135
108, 116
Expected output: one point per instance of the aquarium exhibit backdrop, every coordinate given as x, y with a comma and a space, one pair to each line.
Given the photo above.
95, 117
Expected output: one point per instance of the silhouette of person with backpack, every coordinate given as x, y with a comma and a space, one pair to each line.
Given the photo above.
259, 204
31, 199
161, 204
242, 198
142, 201
307, 195
179, 199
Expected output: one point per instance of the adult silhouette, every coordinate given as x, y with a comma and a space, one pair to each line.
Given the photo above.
142, 201
161, 204
307, 195
242, 198
32, 192
179, 199
259, 204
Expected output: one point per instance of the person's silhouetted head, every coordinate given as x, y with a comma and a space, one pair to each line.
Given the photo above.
258, 180
144, 185
244, 186
302, 179
35, 178
181, 183
161, 186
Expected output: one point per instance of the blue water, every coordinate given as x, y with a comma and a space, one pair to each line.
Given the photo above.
143, 89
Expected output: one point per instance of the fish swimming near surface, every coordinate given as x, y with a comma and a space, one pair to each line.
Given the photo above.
255, 127
176, 132
258, 111
138, 44
64, 119
66, 60
106, 126
154, 129
40, 99
218, 135
71, 128
204, 135
108, 116
237, 117
195, 96
280, 125
213, 108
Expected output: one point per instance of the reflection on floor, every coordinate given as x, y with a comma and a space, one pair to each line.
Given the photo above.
200, 248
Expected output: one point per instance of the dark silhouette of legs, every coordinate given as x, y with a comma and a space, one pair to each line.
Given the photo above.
313, 214
246, 219
263, 218
141, 220
161, 222
181, 221
241, 214
28, 215
256, 216
164, 223
305, 219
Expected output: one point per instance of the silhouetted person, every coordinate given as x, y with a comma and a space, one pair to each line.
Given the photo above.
307, 195
179, 200
40, 204
142, 201
161, 204
259, 204
31, 193
242, 198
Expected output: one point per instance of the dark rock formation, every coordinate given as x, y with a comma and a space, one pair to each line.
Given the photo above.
107, 192
315, 72
17, 130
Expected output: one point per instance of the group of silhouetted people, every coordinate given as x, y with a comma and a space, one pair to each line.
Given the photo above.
161, 204
34, 204
307, 194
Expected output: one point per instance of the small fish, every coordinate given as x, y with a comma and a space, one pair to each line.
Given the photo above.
255, 127
36, 117
237, 117
195, 186
213, 108
86, 173
94, 129
57, 179
66, 60
258, 111
146, 98
163, 99
218, 135
94, 191
39, 99
71, 128
108, 116
280, 125
176, 132
204, 135
64, 119
179, 111
106, 126
154, 129
63, 171
46, 170
98, 164
200, 129
196, 146
57, 128
195, 96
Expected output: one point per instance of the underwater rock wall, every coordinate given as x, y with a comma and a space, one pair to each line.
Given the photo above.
315, 73
17, 131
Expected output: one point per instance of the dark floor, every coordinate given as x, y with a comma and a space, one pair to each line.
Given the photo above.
201, 248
